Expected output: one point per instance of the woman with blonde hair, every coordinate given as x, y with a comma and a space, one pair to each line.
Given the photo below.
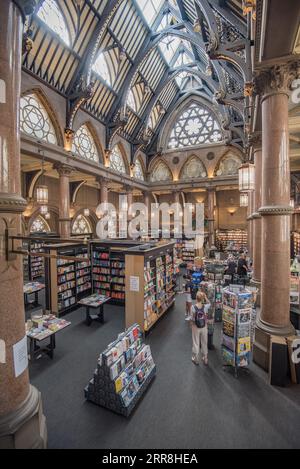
198, 321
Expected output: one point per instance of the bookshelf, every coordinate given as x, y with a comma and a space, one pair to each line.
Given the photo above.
124, 371
149, 283
296, 244
67, 281
236, 238
188, 251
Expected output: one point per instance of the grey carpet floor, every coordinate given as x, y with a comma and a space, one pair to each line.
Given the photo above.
185, 407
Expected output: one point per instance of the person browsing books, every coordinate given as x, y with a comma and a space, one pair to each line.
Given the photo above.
198, 321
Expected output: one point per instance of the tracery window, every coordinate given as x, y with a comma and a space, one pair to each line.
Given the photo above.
50, 13
84, 145
101, 68
138, 171
161, 172
81, 225
116, 160
39, 225
35, 121
195, 126
193, 168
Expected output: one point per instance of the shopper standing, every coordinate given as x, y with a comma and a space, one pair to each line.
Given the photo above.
242, 268
188, 296
199, 328
231, 267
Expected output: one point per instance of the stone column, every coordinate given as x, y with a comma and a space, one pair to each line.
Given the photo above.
249, 225
129, 193
211, 194
274, 318
147, 202
256, 217
103, 184
22, 424
64, 172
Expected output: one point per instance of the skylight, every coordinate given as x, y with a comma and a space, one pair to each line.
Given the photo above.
50, 13
183, 59
169, 46
101, 68
150, 9
167, 20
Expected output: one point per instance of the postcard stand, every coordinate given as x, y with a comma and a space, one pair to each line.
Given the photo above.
237, 315
120, 392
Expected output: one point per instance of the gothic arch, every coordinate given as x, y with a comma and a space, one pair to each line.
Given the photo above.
90, 220
139, 159
159, 169
119, 145
228, 164
193, 167
91, 129
52, 114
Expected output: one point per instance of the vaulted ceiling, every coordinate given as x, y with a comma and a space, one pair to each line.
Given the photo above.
128, 63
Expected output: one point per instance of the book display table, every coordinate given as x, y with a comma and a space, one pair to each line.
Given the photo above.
41, 328
94, 302
30, 289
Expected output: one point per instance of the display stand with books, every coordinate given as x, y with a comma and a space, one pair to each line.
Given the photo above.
237, 314
124, 371
150, 284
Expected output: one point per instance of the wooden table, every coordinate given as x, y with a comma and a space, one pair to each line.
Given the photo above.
30, 289
35, 339
94, 302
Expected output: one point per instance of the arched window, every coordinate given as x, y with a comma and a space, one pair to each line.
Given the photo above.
84, 145
131, 101
195, 126
138, 171
116, 160
229, 166
193, 168
161, 172
101, 68
39, 225
51, 15
81, 226
35, 121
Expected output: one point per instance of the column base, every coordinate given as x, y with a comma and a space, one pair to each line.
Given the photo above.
25, 428
256, 284
261, 346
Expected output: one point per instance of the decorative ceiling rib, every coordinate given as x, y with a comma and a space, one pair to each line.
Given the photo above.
136, 56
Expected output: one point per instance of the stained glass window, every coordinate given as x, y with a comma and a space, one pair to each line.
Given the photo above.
116, 161
84, 145
161, 172
34, 119
39, 225
229, 166
51, 15
138, 171
195, 126
81, 225
101, 68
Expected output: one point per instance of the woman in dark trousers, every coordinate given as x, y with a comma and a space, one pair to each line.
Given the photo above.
231, 267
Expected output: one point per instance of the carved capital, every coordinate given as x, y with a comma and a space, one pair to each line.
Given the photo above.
248, 88
63, 169
12, 203
27, 43
276, 79
69, 137
26, 7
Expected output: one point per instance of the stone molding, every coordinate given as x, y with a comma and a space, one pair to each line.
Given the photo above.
12, 203
63, 169
276, 79
256, 216
284, 330
26, 7
276, 210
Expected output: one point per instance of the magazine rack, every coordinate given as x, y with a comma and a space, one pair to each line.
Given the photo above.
237, 317
124, 371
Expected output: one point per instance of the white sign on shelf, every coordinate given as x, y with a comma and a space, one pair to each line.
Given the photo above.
134, 283
20, 356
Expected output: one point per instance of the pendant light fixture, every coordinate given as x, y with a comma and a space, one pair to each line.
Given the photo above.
244, 199
42, 193
246, 177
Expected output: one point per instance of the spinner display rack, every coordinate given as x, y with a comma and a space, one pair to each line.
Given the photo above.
123, 374
237, 317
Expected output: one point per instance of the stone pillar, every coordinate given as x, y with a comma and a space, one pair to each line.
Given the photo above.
147, 202
64, 172
103, 190
249, 224
22, 424
274, 318
211, 194
256, 217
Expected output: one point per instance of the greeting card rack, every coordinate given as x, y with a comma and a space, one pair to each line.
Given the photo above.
123, 374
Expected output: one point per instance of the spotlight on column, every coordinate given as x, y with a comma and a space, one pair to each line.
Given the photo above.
44, 209
47, 216
86, 212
